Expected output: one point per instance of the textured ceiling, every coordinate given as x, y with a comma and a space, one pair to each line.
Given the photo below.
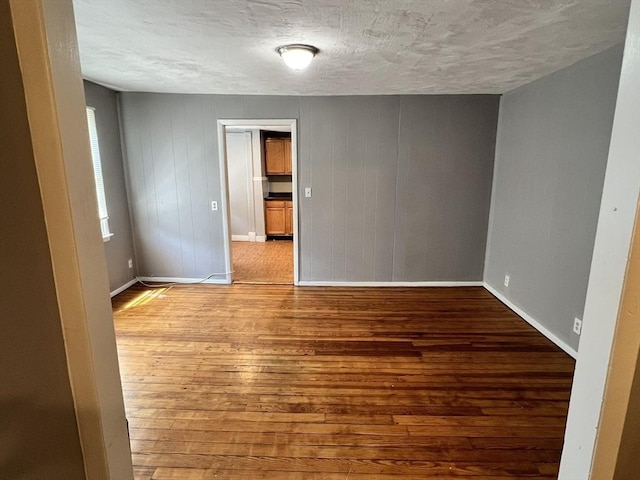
366, 47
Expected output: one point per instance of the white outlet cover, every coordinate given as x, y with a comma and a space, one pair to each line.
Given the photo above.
506, 280
577, 326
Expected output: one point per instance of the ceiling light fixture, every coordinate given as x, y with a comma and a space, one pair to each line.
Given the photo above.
297, 56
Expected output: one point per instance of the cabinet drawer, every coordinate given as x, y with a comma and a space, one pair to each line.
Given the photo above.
275, 203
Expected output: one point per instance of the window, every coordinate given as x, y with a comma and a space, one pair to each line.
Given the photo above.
97, 173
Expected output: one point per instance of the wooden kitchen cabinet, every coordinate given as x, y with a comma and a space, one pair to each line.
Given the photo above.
287, 156
277, 156
275, 217
278, 217
288, 218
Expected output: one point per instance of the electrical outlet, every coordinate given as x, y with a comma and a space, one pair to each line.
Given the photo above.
214, 206
130, 263
577, 326
506, 280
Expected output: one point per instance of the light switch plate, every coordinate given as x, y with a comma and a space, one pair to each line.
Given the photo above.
307, 192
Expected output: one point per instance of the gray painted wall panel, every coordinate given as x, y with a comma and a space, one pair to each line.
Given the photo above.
444, 167
163, 176
355, 165
401, 185
416, 136
230, 106
198, 213
370, 189
183, 192
551, 156
120, 248
321, 162
214, 184
304, 175
339, 168
386, 178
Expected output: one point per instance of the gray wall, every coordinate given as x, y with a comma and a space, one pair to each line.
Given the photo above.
401, 184
551, 154
119, 249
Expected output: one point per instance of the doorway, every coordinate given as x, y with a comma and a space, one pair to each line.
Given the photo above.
258, 169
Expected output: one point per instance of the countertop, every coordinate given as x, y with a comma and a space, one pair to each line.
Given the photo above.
278, 196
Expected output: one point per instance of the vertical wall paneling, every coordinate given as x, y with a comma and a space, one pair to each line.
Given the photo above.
321, 158
200, 197
370, 178
443, 186
354, 173
386, 167
400, 184
183, 192
215, 187
410, 226
339, 167
305, 175
165, 182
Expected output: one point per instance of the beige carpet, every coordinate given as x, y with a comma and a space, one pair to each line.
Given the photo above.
270, 262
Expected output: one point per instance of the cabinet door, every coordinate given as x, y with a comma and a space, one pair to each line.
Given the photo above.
289, 218
275, 220
274, 153
287, 156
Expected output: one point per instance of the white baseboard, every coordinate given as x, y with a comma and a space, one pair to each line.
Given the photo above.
304, 283
124, 287
252, 237
532, 321
224, 279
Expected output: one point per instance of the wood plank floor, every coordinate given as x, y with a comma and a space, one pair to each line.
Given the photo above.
275, 382
268, 262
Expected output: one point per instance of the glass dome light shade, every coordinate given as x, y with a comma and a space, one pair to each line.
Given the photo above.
297, 57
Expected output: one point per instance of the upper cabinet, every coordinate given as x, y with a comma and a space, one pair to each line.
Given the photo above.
277, 156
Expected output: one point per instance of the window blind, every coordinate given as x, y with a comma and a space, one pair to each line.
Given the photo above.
97, 172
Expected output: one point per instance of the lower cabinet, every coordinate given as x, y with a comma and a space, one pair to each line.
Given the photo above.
288, 218
278, 217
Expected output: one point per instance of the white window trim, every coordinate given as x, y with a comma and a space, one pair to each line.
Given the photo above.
103, 214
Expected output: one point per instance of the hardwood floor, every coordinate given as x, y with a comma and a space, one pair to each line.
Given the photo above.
275, 382
268, 262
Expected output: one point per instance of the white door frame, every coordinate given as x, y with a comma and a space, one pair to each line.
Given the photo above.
224, 182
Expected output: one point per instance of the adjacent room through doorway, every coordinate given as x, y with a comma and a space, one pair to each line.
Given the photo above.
268, 262
259, 160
